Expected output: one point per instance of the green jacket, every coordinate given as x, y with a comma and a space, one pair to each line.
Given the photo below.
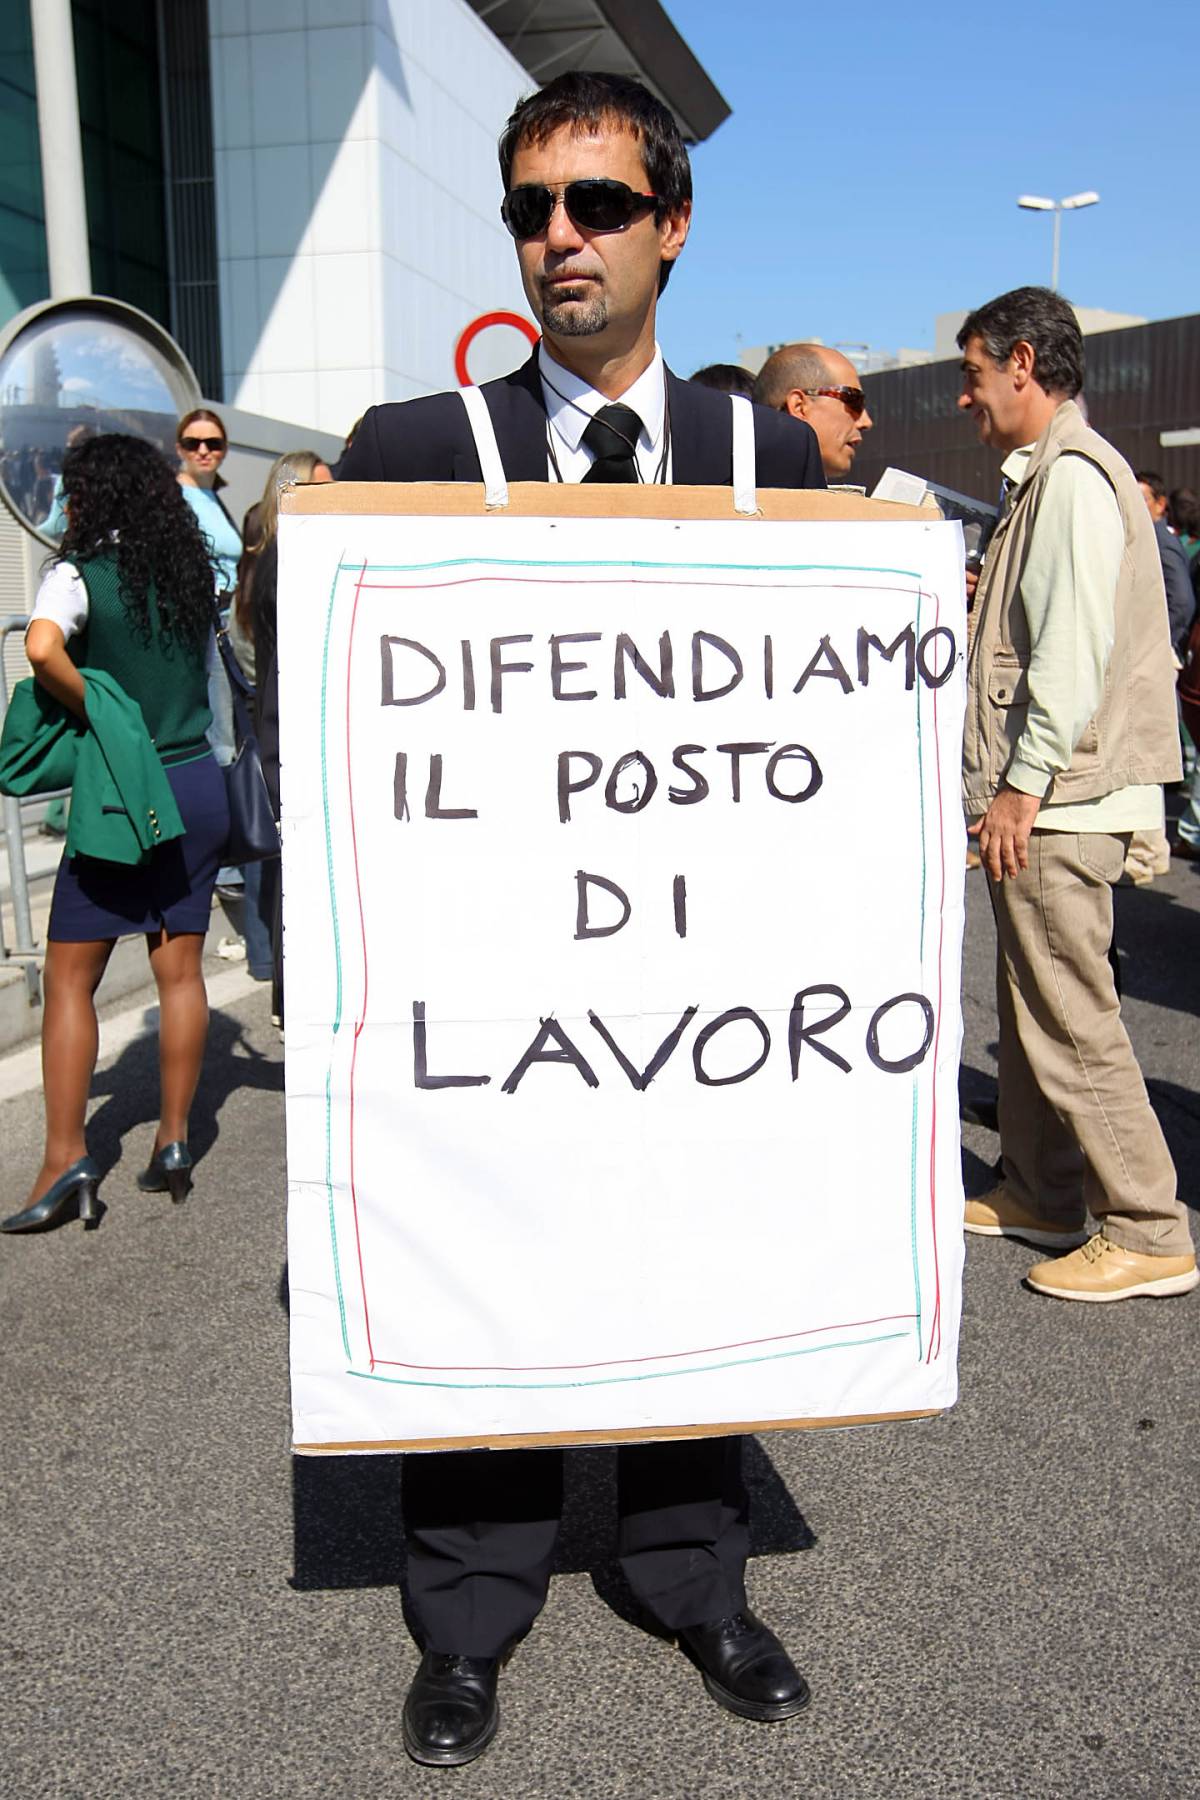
122, 807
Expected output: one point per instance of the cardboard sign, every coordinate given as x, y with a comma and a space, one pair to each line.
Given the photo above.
623, 882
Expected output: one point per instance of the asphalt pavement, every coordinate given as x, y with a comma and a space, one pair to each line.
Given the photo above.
999, 1602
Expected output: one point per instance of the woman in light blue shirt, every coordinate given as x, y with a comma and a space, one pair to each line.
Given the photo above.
201, 443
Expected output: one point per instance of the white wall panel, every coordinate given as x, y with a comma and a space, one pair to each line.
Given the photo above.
237, 218
346, 310
358, 197
239, 282
338, 70
226, 17
278, 85
339, 12
347, 211
273, 15
287, 301
282, 198
230, 66
345, 394
290, 396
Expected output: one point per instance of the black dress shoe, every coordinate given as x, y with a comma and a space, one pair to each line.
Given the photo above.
452, 1713
745, 1668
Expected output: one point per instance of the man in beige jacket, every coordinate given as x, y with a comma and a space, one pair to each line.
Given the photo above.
1070, 733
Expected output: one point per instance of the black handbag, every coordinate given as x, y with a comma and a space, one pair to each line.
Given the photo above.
253, 833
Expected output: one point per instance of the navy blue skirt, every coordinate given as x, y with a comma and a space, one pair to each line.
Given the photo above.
94, 900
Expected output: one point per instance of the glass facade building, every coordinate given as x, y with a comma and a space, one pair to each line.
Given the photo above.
306, 197
116, 68
142, 74
24, 275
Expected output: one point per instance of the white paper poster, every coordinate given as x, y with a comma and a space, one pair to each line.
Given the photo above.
623, 877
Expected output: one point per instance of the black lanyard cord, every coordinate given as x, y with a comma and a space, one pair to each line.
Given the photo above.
660, 474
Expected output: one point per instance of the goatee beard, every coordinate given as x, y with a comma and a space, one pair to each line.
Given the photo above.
576, 318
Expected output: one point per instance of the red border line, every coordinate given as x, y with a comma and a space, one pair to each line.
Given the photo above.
362, 585
614, 1362
935, 1327
562, 581
362, 926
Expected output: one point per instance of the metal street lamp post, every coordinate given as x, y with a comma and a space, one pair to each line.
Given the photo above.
1035, 203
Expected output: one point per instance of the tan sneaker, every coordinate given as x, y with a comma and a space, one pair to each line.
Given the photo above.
1103, 1271
998, 1215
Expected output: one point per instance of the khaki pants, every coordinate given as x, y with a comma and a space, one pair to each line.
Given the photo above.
1076, 1128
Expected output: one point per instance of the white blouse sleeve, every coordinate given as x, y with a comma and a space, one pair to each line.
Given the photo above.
63, 599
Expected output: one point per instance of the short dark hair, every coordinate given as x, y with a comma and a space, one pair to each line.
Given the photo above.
581, 100
726, 378
1035, 316
1183, 511
1151, 479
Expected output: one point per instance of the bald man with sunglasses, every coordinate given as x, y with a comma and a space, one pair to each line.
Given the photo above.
597, 198
820, 387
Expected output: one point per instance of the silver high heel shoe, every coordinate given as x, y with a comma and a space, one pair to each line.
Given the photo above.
80, 1181
170, 1168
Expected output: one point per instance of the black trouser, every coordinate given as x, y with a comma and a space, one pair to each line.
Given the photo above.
481, 1528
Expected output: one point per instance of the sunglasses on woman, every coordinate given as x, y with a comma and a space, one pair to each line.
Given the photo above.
852, 398
593, 205
192, 444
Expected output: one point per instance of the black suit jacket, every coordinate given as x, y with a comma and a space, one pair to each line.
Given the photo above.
430, 439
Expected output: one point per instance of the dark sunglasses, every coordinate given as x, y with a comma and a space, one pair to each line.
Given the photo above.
592, 205
192, 444
852, 398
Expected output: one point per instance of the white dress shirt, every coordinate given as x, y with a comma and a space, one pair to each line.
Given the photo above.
571, 404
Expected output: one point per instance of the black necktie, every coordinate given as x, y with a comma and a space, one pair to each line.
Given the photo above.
612, 436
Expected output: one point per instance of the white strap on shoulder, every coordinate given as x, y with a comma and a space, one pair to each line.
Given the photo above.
495, 486
745, 500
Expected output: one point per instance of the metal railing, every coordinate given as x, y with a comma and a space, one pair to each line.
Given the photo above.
25, 949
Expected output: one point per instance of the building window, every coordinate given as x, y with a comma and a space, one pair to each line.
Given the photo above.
141, 67
24, 271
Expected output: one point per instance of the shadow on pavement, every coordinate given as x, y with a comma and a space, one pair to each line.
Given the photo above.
348, 1529
346, 1522
976, 1097
129, 1087
979, 1176
1178, 1110
1155, 935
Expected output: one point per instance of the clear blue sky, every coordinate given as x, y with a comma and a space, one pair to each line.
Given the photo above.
867, 178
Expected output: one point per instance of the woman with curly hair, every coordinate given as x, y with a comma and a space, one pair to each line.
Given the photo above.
129, 595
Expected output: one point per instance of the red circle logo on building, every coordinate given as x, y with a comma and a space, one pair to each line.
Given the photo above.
484, 322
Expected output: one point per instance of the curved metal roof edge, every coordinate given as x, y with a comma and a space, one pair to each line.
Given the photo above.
669, 64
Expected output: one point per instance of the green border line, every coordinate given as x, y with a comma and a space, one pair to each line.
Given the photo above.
616, 1380
560, 563
916, 1262
912, 1187
622, 562
337, 958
